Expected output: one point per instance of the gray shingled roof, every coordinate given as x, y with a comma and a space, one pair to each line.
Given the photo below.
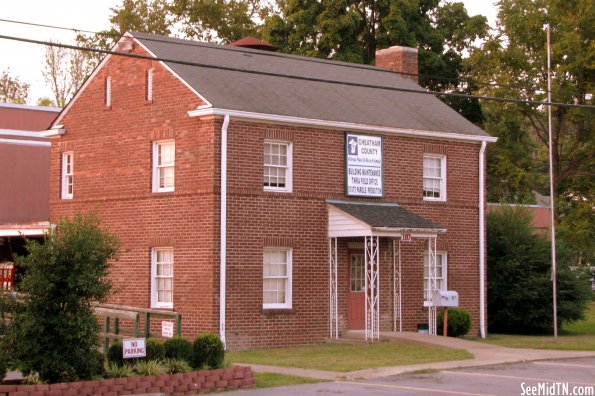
389, 215
238, 90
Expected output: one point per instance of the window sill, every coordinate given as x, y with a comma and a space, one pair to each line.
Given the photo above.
277, 311
163, 191
434, 200
274, 190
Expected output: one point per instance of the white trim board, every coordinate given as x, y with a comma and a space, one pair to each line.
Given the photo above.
21, 133
339, 125
21, 142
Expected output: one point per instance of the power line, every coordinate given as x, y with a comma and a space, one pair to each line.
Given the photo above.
199, 44
312, 79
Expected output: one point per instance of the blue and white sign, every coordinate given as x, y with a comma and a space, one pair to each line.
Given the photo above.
363, 158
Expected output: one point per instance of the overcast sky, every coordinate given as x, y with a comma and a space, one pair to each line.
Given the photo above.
25, 60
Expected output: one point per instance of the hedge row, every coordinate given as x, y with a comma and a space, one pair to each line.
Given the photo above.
207, 351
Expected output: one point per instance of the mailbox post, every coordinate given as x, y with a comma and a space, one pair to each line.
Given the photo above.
445, 298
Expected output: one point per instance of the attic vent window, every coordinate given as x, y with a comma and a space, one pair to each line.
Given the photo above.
149, 86
108, 91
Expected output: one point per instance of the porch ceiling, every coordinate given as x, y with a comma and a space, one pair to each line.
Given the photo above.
348, 219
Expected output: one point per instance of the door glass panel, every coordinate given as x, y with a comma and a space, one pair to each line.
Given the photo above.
357, 272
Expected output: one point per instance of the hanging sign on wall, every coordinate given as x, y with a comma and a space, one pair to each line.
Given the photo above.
363, 165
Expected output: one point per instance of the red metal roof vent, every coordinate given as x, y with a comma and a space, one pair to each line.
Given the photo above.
254, 43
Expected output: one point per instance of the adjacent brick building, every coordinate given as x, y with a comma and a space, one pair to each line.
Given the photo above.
274, 171
25, 181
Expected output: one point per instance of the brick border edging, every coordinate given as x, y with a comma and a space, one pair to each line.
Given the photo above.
238, 377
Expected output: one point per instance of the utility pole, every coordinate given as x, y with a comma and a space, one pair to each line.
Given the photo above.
552, 200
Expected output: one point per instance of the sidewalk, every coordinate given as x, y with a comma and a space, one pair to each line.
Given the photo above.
484, 355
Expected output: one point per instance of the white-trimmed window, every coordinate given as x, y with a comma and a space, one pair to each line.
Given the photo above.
441, 272
67, 175
434, 180
276, 278
108, 91
162, 278
277, 166
149, 86
164, 158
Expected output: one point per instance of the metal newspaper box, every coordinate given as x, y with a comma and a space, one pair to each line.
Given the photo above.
445, 298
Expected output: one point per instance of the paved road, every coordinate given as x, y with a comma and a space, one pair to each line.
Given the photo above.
503, 379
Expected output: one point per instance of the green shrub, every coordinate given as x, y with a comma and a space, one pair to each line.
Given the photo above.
115, 354
178, 348
177, 366
459, 322
208, 351
149, 367
519, 277
113, 370
54, 330
155, 350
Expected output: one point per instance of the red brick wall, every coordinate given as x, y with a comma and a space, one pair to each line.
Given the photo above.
192, 383
112, 176
300, 218
112, 162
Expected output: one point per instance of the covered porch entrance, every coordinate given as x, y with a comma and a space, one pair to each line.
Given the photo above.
369, 223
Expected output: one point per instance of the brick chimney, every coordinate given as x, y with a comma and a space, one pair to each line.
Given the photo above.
399, 59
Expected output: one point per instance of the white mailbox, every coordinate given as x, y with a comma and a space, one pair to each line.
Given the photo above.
445, 298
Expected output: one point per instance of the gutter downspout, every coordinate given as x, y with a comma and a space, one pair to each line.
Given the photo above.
223, 228
482, 328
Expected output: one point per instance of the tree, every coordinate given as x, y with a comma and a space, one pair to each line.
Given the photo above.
64, 70
45, 101
13, 90
54, 330
519, 283
220, 20
515, 58
147, 16
352, 31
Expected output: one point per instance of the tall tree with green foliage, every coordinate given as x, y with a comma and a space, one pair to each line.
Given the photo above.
54, 331
352, 31
515, 57
148, 16
223, 21
519, 282
12, 89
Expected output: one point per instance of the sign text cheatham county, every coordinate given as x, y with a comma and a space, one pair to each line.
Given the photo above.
363, 165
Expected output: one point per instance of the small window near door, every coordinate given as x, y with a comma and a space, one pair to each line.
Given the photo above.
357, 273
440, 274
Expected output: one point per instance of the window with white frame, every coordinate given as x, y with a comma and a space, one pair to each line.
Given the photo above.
162, 278
276, 278
441, 272
149, 86
434, 180
164, 158
108, 92
67, 175
277, 166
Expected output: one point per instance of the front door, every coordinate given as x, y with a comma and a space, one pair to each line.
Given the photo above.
356, 301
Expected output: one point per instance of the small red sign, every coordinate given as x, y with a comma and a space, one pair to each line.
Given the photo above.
406, 237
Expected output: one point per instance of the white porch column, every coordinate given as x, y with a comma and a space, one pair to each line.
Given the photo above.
372, 319
332, 287
432, 285
397, 304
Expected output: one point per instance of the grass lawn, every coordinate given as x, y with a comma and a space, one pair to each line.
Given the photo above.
348, 357
578, 336
271, 380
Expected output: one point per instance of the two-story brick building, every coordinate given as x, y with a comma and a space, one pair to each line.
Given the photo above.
274, 198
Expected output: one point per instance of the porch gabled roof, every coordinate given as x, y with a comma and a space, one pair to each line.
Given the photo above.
349, 218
